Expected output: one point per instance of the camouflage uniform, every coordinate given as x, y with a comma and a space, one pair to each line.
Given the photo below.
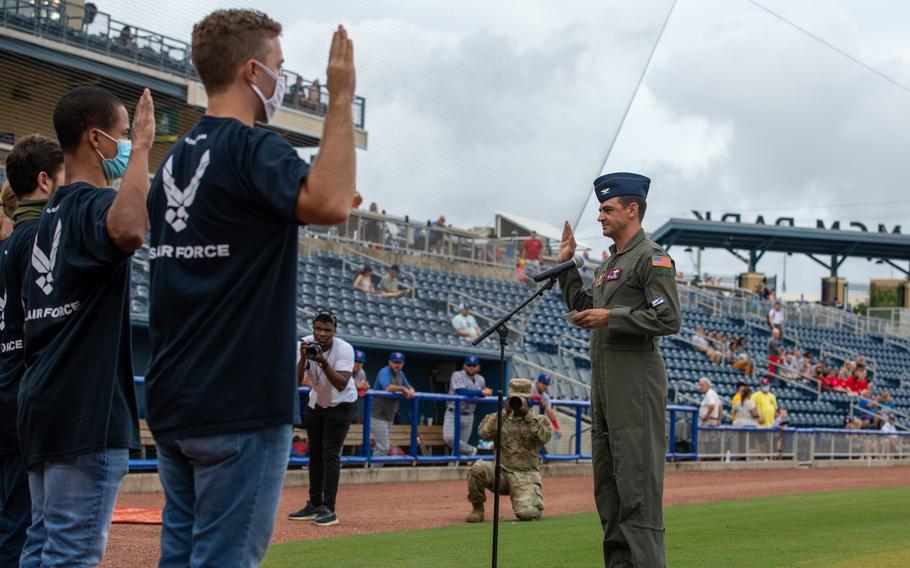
522, 438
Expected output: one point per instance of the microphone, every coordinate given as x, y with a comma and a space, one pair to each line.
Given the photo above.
558, 269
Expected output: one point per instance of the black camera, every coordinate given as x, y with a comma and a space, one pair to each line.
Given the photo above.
313, 351
515, 402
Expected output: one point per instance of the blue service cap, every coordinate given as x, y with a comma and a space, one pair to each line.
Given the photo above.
621, 183
544, 378
396, 357
360, 356
471, 361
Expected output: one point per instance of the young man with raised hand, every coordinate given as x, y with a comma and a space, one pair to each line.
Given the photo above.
224, 210
77, 416
34, 168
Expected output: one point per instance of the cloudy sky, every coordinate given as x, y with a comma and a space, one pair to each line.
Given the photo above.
477, 106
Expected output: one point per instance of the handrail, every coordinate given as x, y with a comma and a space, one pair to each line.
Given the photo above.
854, 406
521, 360
776, 371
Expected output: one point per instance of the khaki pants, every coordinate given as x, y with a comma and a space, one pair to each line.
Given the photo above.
522, 486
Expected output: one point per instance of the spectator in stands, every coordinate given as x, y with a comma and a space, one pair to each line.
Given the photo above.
858, 382
364, 281
464, 323
741, 360
466, 382
521, 272
885, 405
737, 397
332, 404
745, 414
782, 420
542, 397
703, 345
9, 204
711, 410
390, 379
125, 39
890, 427
314, 97
435, 235
298, 92
762, 291
868, 408
372, 228
776, 318
766, 403
390, 287
533, 247
775, 352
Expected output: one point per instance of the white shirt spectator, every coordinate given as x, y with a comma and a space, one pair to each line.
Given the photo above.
700, 342
889, 428
466, 324
341, 358
710, 398
776, 316
743, 411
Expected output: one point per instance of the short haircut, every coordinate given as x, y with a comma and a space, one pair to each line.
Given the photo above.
28, 158
224, 40
395, 268
325, 316
626, 200
81, 109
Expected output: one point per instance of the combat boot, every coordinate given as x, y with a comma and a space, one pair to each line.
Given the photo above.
476, 515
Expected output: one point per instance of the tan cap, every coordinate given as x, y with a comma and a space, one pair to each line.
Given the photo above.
520, 388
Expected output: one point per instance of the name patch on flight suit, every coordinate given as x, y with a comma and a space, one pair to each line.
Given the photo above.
614, 274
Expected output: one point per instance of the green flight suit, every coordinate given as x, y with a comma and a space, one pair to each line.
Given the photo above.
629, 395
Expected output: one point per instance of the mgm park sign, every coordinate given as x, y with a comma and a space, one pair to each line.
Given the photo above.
791, 222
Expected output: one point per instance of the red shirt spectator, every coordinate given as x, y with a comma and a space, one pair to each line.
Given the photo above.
533, 246
857, 384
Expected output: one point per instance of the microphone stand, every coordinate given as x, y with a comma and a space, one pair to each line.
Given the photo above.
503, 331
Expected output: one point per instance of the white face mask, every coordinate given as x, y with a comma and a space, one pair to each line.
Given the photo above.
272, 103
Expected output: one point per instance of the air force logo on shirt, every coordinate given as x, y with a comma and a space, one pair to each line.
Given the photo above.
44, 263
179, 199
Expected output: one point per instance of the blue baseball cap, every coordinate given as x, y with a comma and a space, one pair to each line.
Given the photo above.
621, 183
359, 356
471, 361
396, 357
544, 378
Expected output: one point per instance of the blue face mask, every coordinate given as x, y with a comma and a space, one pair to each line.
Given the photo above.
116, 166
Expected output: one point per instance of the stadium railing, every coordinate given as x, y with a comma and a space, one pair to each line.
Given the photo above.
93, 30
400, 234
803, 445
685, 415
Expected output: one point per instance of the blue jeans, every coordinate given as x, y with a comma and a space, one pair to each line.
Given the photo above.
221, 496
72, 504
15, 509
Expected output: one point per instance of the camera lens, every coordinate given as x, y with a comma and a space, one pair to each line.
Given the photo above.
313, 351
515, 403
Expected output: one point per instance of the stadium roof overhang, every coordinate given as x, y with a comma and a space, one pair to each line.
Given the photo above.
826, 247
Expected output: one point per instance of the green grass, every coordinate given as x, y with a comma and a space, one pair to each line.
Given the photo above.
867, 528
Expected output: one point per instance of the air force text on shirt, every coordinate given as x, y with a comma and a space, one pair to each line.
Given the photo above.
190, 251
52, 312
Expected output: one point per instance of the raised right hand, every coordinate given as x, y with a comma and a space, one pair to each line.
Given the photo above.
143, 131
340, 75
566, 245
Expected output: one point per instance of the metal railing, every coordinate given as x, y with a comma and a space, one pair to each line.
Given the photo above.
402, 235
413, 455
78, 25
803, 445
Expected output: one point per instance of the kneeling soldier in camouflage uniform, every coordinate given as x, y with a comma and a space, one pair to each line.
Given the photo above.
523, 433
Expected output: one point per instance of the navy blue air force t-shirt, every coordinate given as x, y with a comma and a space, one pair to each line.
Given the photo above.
15, 256
223, 255
77, 394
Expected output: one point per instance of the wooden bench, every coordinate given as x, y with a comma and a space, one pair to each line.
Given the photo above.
428, 437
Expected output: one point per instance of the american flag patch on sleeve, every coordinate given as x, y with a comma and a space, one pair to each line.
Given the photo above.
662, 261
